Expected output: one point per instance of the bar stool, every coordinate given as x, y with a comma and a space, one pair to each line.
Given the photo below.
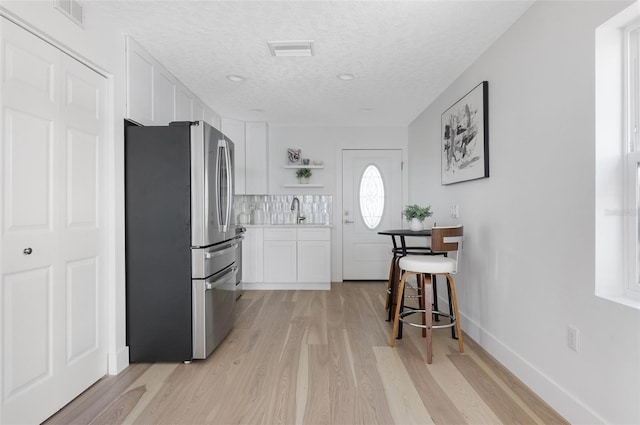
393, 280
443, 239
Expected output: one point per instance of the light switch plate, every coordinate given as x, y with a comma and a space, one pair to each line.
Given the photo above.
455, 211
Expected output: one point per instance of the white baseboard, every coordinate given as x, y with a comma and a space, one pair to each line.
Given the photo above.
118, 361
572, 409
280, 286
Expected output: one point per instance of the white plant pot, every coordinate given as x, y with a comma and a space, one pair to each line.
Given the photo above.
415, 225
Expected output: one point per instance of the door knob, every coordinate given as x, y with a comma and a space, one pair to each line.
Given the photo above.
27, 251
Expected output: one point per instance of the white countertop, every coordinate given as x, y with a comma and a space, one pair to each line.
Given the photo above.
328, 226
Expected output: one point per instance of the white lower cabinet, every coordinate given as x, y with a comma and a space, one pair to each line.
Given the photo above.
280, 263
287, 257
313, 261
252, 249
280, 258
314, 254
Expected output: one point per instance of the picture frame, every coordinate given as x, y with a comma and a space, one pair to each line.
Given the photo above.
294, 155
464, 135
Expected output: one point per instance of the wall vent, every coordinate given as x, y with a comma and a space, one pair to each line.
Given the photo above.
71, 9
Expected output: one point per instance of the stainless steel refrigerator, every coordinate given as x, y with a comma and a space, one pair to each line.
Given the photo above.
182, 248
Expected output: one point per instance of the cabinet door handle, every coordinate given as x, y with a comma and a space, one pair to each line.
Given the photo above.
349, 222
27, 251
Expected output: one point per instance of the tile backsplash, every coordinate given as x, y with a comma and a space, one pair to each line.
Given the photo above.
276, 209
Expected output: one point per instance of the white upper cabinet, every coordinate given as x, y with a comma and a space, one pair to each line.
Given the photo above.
251, 153
256, 158
164, 96
184, 105
234, 129
139, 84
150, 88
198, 111
212, 118
156, 97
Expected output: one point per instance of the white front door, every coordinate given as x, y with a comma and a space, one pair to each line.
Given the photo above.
53, 121
371, 200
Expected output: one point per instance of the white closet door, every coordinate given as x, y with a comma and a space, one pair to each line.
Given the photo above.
82, 238
53, 339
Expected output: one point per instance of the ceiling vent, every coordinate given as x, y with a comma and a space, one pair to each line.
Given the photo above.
291, 48
71, 9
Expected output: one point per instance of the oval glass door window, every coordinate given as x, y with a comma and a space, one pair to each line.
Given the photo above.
371, 197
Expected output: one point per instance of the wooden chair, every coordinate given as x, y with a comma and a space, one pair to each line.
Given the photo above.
443, 240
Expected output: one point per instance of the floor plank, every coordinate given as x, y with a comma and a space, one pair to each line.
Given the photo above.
316, 357
404, 400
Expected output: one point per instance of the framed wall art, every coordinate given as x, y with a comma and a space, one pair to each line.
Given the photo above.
294, 155
464, 134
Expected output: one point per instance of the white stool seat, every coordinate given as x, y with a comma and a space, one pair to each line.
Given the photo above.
428, 264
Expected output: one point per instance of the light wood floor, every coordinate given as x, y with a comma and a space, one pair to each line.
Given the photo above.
316, 357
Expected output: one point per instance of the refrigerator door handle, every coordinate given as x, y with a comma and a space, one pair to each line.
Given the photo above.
229, 188
218, 185
223, 194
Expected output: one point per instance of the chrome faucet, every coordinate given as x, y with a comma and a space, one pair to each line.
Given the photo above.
299, 218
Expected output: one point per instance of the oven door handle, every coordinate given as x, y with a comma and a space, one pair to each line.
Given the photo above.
210, 285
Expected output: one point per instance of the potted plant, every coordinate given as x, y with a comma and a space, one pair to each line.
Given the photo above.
303, 175
415, 214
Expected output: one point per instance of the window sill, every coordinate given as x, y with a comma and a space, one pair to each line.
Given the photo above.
628, 299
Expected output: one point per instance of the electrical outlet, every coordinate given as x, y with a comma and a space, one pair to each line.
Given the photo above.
572, 337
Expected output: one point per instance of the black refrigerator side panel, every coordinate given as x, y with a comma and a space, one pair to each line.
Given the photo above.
158, 240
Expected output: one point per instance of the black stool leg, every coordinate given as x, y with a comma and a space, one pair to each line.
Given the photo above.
453, 328
434, 283
392, 287
399, 336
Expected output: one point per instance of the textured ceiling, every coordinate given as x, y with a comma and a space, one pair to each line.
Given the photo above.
403, 53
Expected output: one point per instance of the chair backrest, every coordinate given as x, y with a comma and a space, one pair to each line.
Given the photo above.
448, 239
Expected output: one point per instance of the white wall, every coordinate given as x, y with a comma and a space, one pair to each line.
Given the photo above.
528, 268
99, 46
326, 144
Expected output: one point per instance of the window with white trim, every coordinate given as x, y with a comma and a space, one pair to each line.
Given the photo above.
631, 88
617, 158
